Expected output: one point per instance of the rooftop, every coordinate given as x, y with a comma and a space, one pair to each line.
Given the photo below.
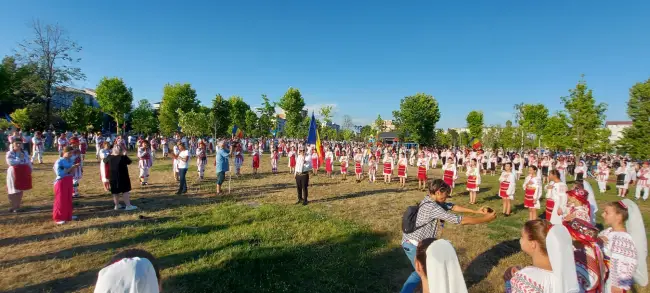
607, 123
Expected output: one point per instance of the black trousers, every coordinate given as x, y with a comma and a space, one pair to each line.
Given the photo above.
302, 182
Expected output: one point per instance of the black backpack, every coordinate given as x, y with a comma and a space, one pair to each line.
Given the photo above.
409, 219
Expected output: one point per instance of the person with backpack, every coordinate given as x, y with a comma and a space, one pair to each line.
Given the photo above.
427, 219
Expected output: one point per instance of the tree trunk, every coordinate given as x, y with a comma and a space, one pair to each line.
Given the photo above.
48, 102
117, 121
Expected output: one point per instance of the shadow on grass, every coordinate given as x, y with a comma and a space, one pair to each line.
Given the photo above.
358, 194
480, 267
346, 264
481, 190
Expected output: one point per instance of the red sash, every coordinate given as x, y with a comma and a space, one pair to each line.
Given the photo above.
401, 171
529, 197
344, 167
422, 173
471, 182
550, 203
22, 177
448, 177
328, 165
357, 168
387, 168
503, 189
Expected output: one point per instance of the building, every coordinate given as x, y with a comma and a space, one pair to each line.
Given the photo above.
63, 97
333, 126
616, 128
388, 137
388, 126
281, 121
156, 105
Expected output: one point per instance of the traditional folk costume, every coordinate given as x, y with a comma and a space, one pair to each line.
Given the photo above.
372, 169
62, 142
99, 141
545, 166
63, 190
154, 148
580, 171
518, 165
590, 261
358, 169
561, 167
493, 163
274, 161
642, 183
622, 178
256, 158
144, 164
473, 178
38, 148
343, 160
434, 160
483, 161
239, 159
83, 147
556, 199
449, 174
201, 159
175, 160
507, 185
563, 278
401, 167
315, 161
422, 169
292, 158
165, 147
412, 157
103, 168
388, 165
602, 175
626, 252
533, 192
19, 173
76, 159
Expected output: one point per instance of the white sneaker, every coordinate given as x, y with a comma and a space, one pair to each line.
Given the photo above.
130, 208
60, 222
117, 208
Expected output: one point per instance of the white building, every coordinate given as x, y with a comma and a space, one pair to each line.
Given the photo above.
616, 127
63, 96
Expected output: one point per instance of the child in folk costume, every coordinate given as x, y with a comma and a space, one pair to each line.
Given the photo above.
402, 165
483, 159
412, 156
532, 192
358, 165
256, 159
38, 147
422, 172
434, 159
372, 169
329, 162
274, 161
315, 161
337, 152
63, 187
175, 153
292, 160
83, 146
493, 164
165, 147
99, 143
154, 147
556, 198
561, 166
643, 181
602, 174
76, 159
449, 172
518, 164
343, 160
624, 245
580, 170
201, 158
553, 269
473, 180
19, 174
239, 159
103, 167
388, 167
144, 162
507, 188
622, 179
578, 207
61, 143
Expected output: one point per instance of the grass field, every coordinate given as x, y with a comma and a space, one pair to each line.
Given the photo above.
252, 240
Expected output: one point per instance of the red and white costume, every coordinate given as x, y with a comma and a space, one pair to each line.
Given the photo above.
144, 163
358, 169
201, 159
329, 161
388, 165
473, 178
556, 199
344, 164
422, 169
642, 183
402, 165
449, 174
19, 173
602, 174
532, 192
38, 148
507, 185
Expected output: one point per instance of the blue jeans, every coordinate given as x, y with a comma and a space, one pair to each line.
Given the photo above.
414, 279
183, 186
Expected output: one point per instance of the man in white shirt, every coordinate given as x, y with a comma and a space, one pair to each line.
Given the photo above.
182, 164
303, 167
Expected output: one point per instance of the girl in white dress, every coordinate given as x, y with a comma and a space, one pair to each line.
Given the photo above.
532, 192
372, 169
556, 198
449, 172
343, 160
436, 262
19, 166
602, 174
473, 180
507, 188
388, 167
622, 180
103, 167
402, 166
553, 269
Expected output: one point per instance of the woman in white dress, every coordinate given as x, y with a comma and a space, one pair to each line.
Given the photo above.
556, 198
18, 174
436, 260
532, 192
553, 269
507, 188
103, 167
622, 180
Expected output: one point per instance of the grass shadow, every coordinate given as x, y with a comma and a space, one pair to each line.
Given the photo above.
358, 194
480, 267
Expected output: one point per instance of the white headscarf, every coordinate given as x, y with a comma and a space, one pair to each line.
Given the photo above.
443, 269
636, 229
132, 275
560, 253
592, 200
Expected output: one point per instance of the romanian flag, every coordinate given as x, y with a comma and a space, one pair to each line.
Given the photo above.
475, 143
236, 132
314, 139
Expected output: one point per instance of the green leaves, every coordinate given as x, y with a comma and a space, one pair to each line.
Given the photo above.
557, 133
584, 117
220, 116
238, 109
114, 98
143, 118
475, 124
292, 103
636, 138
417, 118
194, 123
175, 97
79, 116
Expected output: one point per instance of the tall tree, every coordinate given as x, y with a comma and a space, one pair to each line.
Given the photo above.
292, 103
532, 118
366, 131
475, 124
417, 118
220, 116
20, 85
379, 123
585, 117
251, 125
114, 98
454, 138
326, 113
557, 134
175, 97
194, 122
491, 137
78, 115
507, 136
238, 109
636, 138
266, 121
31, 117
144, 119
442, 138
53, 50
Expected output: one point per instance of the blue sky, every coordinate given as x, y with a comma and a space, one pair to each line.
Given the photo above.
360, 56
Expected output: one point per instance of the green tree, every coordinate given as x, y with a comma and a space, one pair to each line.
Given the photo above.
52, 50
144, 119
78, 115
251, 125
442, 138
464, 138
636, 138
347, 134
454, 138
20, 85
366, 132
507, 136
95, 117
475, 124
21, 118
220, 116
491, 137
326, 113
585, 117
266, 121
114, 98
379, 123
35, 117
532, 118
417, 118
194, 123
175, 97
292, 103
238, 109
556, 134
